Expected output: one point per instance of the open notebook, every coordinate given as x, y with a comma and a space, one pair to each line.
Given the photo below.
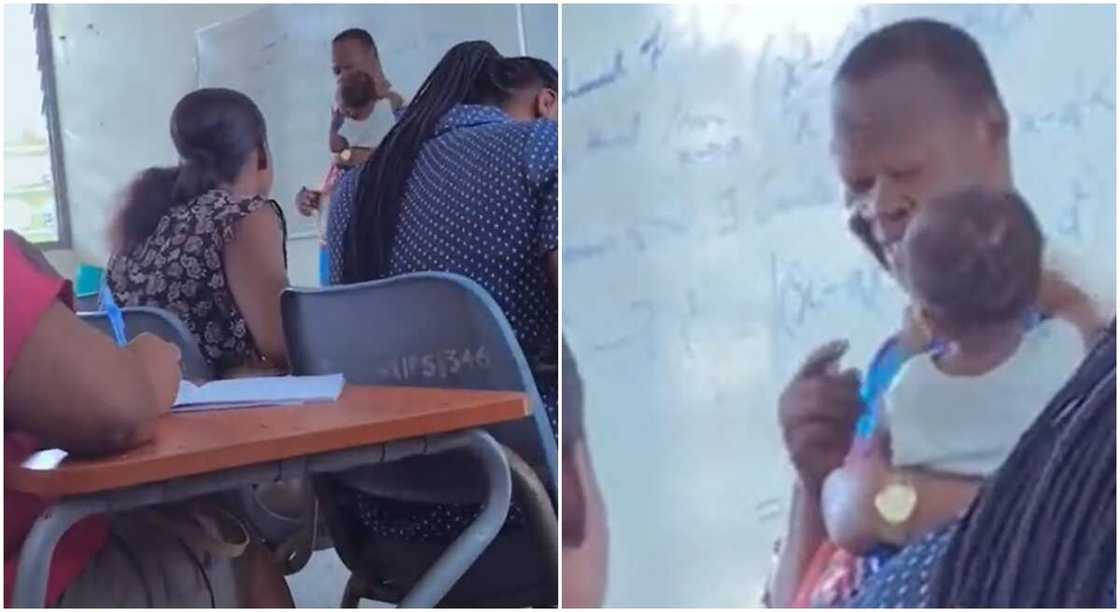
258, 391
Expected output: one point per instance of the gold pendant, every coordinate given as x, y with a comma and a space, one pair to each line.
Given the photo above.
896, 503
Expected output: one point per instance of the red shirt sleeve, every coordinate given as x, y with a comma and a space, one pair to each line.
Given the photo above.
28, 293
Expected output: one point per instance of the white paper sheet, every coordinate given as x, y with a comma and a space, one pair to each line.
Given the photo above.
258, 391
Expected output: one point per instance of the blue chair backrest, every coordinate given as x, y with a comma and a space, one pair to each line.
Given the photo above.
427, 329
140, 319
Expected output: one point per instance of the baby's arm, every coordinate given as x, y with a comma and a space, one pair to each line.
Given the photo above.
848, 500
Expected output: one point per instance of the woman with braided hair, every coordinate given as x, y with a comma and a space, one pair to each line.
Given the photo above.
465, 182
1043, 532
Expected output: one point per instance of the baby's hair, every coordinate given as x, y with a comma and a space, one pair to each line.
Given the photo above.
355, 89
974, 259
359, 35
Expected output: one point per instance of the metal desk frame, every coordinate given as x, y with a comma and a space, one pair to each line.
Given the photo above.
30, 589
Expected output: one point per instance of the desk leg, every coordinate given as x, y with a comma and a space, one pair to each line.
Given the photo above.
30, 589
469, 546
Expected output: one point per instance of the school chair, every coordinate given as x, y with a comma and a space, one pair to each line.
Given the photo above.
140, 319
431, 330
290, 537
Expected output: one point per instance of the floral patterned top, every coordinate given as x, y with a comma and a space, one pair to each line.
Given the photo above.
180, 268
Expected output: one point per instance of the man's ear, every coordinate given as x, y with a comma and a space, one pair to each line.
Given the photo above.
993, 123
547, 104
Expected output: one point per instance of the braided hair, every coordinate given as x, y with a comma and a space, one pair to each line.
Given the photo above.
469, 73
1042, 534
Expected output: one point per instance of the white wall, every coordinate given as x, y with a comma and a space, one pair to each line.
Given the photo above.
119, 71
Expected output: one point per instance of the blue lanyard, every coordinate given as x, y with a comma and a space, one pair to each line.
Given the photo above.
886, 364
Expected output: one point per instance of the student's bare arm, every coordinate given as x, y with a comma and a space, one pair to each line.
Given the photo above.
74, 389
255, 268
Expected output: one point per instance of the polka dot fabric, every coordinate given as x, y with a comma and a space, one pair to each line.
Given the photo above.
481, 202
903, 582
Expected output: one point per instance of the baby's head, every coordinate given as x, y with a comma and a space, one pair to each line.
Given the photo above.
972, 261
355, 95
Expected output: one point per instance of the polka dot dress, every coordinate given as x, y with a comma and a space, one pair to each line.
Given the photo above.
903, 582
481, 202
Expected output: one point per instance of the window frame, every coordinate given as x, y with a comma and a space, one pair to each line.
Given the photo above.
40, 21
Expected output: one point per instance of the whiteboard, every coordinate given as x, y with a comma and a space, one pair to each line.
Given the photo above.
280, 56
705, 252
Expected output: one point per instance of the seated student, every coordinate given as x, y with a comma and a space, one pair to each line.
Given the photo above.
973, 264
203, 240
584, 530
468, 177
466, 182
67, 385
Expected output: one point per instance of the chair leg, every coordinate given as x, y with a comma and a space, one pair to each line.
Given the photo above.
533, 497
352, 595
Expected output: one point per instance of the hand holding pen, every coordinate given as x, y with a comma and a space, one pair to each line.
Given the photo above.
159, 358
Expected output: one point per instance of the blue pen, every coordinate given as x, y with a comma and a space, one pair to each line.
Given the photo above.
116, 319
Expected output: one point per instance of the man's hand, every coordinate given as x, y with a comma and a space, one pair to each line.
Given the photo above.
1060, 297
395, 101
308, 201
817, 412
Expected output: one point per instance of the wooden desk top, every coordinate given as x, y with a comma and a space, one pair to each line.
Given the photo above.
193, 443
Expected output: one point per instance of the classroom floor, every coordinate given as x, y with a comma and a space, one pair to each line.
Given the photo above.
320, 583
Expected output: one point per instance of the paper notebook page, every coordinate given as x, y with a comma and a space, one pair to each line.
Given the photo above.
261, 390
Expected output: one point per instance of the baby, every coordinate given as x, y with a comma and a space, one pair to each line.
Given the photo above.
972, 262
354, 99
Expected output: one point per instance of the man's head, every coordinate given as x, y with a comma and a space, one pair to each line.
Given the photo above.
356, 95
354, 49
584, 528
972, 261
537, 96
916, 114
